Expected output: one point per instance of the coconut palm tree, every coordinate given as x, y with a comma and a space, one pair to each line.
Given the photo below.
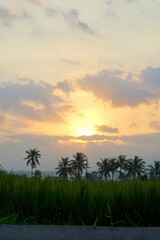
122, 165
113, 166
63, 168
136, 167
154, 170
104, 168
33, 156
78, 164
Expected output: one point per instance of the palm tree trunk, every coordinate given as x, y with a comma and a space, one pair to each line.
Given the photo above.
31, 171
105, 176
112, 176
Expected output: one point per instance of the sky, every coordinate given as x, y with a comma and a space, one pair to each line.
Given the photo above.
79, 76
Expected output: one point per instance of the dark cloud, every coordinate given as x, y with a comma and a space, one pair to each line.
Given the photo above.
151, 77
7, 16
107, 129
32, 100
145, 140
64, 86
117, 88
73, 19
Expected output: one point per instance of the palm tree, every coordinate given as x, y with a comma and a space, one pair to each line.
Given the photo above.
113, 166
79, 163
154, 170
136, 167
122, 165
63, 168
33, 156
104, 168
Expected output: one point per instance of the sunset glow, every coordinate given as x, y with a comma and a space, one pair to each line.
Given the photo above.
85, 132
79, 76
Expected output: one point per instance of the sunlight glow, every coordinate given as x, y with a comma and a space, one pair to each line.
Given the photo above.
85, 132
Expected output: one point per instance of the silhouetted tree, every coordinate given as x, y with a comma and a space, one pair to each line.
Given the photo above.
33, 156
122, 166
63, 168
78, 164
104, 168
154, 170
136, 167
113, 166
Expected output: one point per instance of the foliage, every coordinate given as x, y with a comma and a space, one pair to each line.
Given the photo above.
122, 167
78, 164
136, 167
33, 156
154, 170
95, 203
64, 168
37, 174
104, 168
2, 171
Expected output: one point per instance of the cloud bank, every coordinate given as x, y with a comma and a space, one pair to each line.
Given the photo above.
121, 89
107, 129
34, 101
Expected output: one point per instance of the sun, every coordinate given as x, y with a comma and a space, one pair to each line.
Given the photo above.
85, 132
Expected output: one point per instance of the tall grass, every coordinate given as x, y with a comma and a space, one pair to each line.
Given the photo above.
31, 201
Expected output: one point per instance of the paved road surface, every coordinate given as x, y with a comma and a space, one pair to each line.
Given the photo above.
45, 232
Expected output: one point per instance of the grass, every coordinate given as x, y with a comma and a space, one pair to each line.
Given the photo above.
32, 201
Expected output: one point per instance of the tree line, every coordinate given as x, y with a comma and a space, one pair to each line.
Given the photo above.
113, 168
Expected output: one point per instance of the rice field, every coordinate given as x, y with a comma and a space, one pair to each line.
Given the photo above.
62, 202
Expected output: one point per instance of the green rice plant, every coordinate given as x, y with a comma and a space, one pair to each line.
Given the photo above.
79, 202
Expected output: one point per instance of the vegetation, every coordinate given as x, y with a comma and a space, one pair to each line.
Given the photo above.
79, 202
136, 167
114, 195
154, 170
78, 164
104, 168
64, 168
33, 156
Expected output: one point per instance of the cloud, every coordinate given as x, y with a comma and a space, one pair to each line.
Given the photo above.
70, 61
99, 138
117, 87
107, 129
64, 86
155, 125
35, 3
7, 16
151, 77
132, 1
34, 101
52, 148
72, 17
53, 11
